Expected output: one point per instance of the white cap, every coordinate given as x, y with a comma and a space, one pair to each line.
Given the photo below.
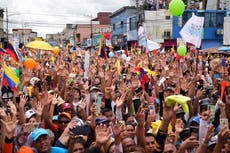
29, 113
34, 80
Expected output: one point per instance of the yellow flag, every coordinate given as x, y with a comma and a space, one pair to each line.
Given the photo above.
118, 66
101, 43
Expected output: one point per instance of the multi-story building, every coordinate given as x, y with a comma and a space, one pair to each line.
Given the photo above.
124, 26
159, 27
68, 35
24, 35
213, 26
84, 32
54, 39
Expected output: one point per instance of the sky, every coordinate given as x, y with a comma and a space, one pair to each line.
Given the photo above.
51, 16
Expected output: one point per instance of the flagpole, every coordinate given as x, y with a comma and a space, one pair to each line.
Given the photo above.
7, 25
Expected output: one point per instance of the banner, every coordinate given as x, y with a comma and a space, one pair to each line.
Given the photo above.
192, 30
151, 45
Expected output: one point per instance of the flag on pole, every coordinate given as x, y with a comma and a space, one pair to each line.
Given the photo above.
101, 44
9, 78
10, 50
192, 30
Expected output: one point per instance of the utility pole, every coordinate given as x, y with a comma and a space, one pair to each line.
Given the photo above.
91, 29
137, 5
7, 25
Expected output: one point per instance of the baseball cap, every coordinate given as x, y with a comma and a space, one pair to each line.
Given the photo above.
100, 120
25, 149
94, 88
66, 106
65, 115
180, 111
29, 113
34, 80
55, 118
37, 133
195, 119
205, 102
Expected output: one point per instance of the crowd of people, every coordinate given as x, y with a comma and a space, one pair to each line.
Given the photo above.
78, 102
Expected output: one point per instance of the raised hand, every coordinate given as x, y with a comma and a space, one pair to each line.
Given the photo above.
82, 105
140, 115
13, 108
117, 129
120, 101
23, 100
38, 108
9, 124
3, 114
223, 134
191, 142
103, 134
27, 127
209, 134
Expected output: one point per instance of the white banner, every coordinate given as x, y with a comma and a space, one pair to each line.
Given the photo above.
151, 45
192, 30
86, 65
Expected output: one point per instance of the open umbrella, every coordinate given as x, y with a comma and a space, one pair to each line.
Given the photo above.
38, 44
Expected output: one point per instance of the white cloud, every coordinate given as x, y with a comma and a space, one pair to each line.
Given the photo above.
50, 16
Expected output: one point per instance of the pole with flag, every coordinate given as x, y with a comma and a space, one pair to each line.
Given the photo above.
10, 79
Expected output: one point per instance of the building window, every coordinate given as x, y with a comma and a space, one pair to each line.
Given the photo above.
210, 19
167, 34
114, 26
122, 24
219, 20
186, 16
132, 23
167, 17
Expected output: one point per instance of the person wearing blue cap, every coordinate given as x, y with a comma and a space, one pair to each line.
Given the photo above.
42, 142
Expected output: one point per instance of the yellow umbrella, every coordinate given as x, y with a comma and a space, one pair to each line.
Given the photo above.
38, 44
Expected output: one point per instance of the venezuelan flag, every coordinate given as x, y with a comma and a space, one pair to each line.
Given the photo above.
10, 50
9, 78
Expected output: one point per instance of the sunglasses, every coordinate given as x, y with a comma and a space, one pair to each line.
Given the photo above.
65, 122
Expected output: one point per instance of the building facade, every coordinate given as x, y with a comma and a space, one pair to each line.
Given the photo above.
84, 32
159, 27
213, 26
124, 26
23, 36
